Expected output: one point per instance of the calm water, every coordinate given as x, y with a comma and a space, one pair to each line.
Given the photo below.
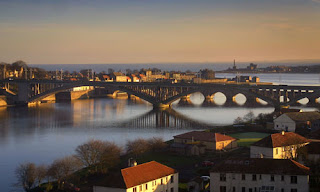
43, 133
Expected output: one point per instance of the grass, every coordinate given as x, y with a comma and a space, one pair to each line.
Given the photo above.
247, 138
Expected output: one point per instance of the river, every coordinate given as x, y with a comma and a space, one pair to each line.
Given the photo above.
43, 133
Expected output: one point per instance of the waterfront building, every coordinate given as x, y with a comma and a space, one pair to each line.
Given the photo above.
259, 175
282, 145
294, 121
146, 177
211, 141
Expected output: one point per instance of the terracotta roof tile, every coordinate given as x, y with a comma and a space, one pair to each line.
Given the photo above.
261, 166
204, 136
144, 173
279, 140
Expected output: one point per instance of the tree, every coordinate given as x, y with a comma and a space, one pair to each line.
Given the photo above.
110, 156
249, 117
238, 120
20, 64
26, 175
157, 143
110, 70
90, 153
138, 146
63, 167
41, 173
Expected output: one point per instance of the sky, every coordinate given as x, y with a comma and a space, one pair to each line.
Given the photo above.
155, 31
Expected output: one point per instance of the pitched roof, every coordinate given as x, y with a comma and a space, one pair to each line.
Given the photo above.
204, 136
144, 173
304, 116
262, 166
280, 140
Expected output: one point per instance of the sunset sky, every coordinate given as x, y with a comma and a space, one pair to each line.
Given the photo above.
148, 31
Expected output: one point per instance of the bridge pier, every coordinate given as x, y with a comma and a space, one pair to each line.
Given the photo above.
161, 106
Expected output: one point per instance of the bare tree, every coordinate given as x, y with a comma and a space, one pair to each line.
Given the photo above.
61, 168
238, 120
41, 173
110, 156
90, 152
26, 175
157, 143
249, 117
138, 146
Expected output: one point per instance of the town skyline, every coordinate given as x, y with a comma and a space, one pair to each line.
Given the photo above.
156, 32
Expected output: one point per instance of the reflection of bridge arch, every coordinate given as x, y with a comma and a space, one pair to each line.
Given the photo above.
168, 118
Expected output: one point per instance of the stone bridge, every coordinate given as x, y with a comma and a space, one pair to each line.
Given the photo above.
164, 94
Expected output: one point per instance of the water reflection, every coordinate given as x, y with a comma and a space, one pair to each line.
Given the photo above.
168, 118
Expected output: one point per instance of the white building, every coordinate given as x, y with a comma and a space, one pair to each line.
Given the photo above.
147, 177
278, 146
259, 175
292, 121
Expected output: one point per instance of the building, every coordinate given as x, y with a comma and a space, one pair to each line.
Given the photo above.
259, 175
212, 141
147, 177
313, 151
295, 121
278, 146
188, 149
118, 77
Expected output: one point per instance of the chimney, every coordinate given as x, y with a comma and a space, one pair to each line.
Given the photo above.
282, 133
132, 162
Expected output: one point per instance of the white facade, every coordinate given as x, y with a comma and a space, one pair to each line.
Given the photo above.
286, 152
284, 123
165, 184
237, 182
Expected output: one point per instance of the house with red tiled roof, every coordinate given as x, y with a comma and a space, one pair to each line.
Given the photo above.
282, 145
146, 177
212, 141
256, 174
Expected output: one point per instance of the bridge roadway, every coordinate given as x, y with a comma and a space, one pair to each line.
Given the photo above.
163, 94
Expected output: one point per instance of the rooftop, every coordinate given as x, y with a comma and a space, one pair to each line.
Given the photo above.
204, 136
303, 116
144, 173
262, 166
280, 140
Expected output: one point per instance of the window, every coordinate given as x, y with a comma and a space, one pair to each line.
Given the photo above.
255, 189
233, 189
282, 190
272, 178
250, 190
140, 188
223, 177
243, 177
233, 176
223, 189
146, 186
276, 151
171, 189
294, 190
294, 180
254, 177
171, 179
282, 177
134, 189
243, 189
267, 189
161, 181
260, 177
